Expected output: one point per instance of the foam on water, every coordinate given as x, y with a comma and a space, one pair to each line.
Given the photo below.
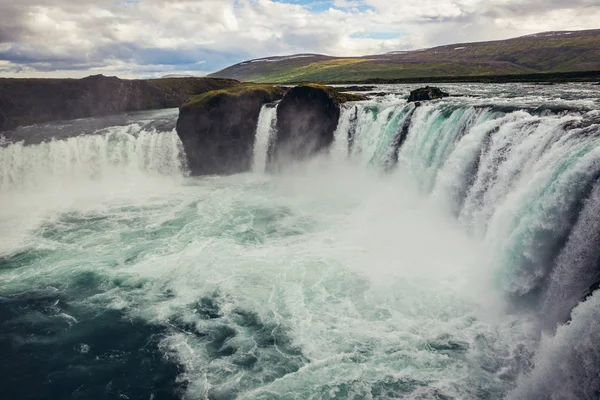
294, 289
111, 151
566, 364
55, 175
445, 277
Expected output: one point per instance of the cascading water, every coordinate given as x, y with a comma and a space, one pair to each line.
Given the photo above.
374, 132
444, 251
525, 183
112, 151
577, 264
267, 122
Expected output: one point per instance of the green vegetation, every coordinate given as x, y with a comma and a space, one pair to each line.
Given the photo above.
549, 53
238, 90
336, 95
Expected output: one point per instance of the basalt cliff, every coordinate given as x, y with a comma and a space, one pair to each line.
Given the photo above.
32, 101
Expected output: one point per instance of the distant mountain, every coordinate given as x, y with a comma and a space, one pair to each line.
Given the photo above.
549, 52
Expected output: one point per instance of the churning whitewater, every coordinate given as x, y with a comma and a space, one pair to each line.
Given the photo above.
444, 251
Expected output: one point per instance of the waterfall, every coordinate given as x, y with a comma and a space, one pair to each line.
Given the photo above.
433, 133
576, 266
343, 133
526, 183
265, 130
516, 179
114, 151
566, 364
376, 132
519, 185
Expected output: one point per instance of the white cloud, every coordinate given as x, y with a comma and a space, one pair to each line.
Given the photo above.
347, 3
50, 37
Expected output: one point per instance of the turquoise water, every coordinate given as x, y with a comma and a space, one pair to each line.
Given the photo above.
270, 286
122, 277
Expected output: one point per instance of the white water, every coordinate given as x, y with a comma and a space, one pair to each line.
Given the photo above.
517, 181
576, 265
265, 130
53, 176
340, 281
509, 177
123, 150
339, 149
566, 363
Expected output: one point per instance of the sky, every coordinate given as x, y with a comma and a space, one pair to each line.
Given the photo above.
152, 38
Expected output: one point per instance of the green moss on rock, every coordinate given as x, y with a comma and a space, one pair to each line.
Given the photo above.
217, 128
337, 96
201, 100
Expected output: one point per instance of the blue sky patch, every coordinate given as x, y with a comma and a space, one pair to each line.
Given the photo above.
318, 6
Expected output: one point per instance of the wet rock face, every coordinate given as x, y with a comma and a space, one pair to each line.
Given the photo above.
426, 93
307, 118
6, 123
218, 131
31, 101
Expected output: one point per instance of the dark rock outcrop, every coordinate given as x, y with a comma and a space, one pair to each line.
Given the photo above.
307, 118
31, 101
6, 123
218, 128
355, 88
352, 129
591, 290
426, 93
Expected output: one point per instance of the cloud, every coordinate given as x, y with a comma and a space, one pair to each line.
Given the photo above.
151, 37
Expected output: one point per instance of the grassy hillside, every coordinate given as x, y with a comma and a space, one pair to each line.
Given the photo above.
551, 52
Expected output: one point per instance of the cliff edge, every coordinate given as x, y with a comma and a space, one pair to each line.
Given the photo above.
218, 128
31, 101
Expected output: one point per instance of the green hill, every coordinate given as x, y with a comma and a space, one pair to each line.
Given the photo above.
543, 53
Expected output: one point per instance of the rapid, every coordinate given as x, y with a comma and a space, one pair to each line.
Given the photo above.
444, 251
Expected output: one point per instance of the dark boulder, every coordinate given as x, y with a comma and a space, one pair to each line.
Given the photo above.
6, 123
591, 290
218, 128
307, 118
426, 93
355, 88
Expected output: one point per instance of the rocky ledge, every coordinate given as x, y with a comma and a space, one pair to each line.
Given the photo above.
218, 128
31, 101
307, 118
